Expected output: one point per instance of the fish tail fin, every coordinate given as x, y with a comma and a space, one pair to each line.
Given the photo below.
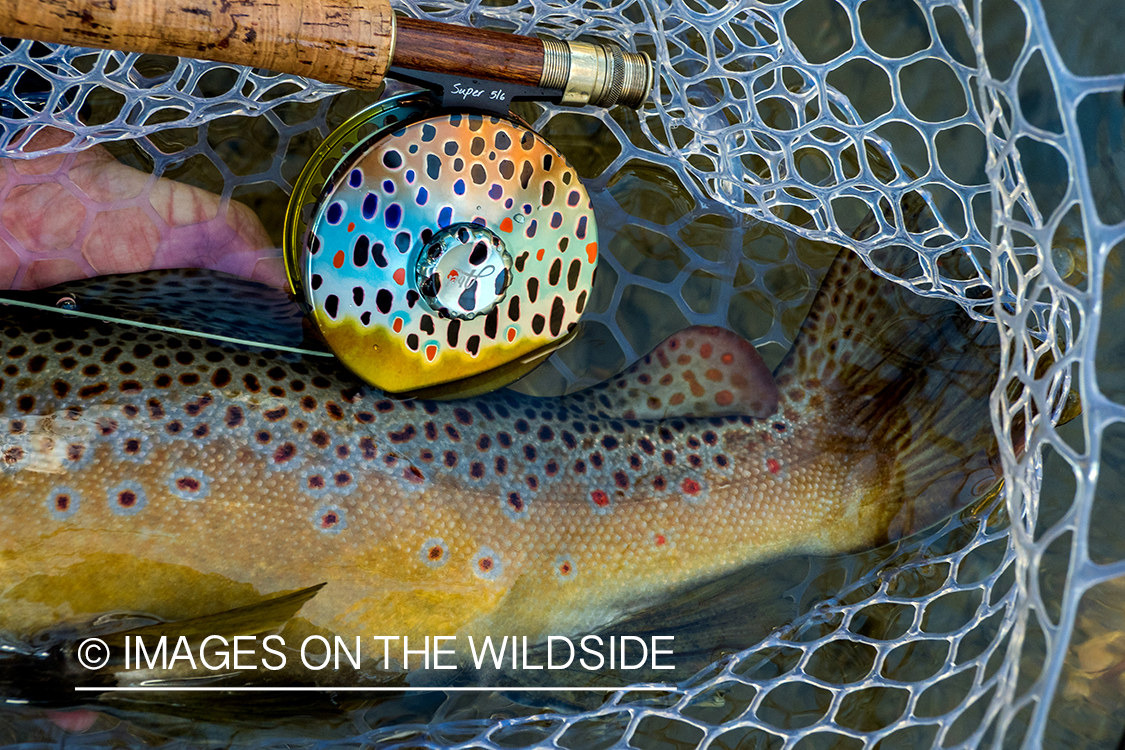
905, 382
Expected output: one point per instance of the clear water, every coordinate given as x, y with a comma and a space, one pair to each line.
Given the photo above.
735, 269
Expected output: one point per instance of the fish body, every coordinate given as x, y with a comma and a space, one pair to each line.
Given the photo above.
151, 473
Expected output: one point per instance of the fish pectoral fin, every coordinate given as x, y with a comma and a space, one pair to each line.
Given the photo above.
702, 371
266, 616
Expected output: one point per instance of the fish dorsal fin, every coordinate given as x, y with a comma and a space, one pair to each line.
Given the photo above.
265, 616
702, 371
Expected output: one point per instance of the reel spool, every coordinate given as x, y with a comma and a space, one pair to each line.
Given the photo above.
440, 253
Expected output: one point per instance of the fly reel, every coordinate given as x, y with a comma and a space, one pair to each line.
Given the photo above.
441, 252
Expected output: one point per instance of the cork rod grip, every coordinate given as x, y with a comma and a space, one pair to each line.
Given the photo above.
340, 41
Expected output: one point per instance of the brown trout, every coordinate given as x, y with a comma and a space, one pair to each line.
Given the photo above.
173, 478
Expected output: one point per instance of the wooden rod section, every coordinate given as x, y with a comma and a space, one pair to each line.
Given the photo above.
349, 42
474, 53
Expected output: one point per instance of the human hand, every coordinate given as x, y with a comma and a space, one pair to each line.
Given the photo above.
73, 216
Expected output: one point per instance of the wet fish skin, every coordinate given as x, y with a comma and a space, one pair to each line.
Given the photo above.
160, 474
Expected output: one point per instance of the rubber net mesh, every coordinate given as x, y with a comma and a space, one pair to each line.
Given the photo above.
775, 130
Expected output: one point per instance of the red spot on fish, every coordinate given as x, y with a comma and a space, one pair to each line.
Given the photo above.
727, 358
329, 520
431, 352
351, 226
773, 465
724, 398
705, 351
485, 564
511, 335
565, 569
62, 502
338, 259
126, 499
506, 224
539, 255
660, 540
397, 325
435, 553
592, 252
399, 276
188, 484
690, 487
600, 498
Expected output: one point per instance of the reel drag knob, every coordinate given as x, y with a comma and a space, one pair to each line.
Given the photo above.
447, 255
464, 271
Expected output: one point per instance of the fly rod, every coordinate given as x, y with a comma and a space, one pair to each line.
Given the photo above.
354, 43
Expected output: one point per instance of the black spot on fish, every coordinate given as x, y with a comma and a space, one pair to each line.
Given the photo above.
359, 251
537, 324
331, 305
572, 274
405, 435
491, 322
402, 241
383, 300
558, 309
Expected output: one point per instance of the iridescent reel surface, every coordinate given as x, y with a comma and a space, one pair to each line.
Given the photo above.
440, 254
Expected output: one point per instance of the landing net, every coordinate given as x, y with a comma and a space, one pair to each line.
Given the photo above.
776, 129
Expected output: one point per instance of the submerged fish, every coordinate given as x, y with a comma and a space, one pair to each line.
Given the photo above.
166, 476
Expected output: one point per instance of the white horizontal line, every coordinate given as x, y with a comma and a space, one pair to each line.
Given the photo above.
166, 329
381, 689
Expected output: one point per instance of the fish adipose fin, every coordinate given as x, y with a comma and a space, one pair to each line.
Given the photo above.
905, 380
702, 371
